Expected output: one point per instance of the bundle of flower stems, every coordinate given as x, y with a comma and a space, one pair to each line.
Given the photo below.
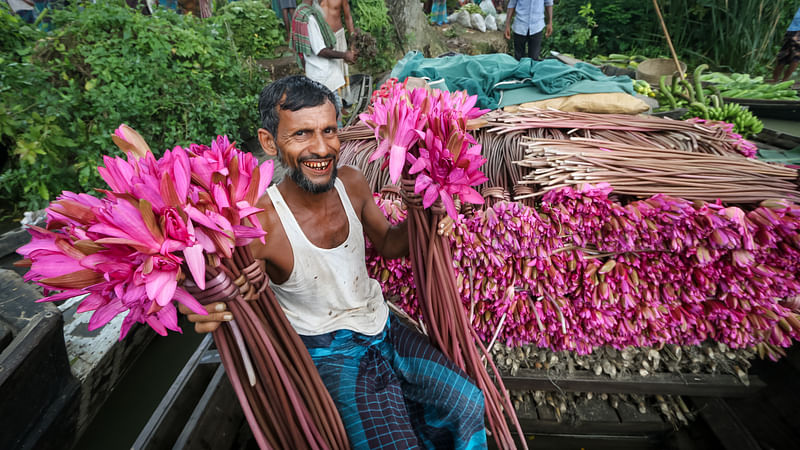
423, 137
281, 394
690, 135
502, 140
642, 170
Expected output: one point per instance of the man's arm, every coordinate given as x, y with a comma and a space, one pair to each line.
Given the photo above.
349, 56
549, 12
348, 19
317, 45
512, 6
391, 241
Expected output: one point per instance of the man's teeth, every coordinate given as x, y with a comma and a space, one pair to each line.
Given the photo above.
317, 165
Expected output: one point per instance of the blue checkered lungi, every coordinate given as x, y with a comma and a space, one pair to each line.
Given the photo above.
395, 390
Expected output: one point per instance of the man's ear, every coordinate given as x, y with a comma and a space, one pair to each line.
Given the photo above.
267, 142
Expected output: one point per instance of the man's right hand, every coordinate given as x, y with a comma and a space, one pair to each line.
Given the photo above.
217, 313
507, 33
350, 57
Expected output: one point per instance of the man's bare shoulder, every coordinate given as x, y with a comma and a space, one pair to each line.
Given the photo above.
352, 177
356, 185
268, 217
331, 4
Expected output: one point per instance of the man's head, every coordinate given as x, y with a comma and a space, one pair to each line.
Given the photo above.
298, 119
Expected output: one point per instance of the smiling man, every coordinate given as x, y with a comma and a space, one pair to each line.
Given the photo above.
392, 388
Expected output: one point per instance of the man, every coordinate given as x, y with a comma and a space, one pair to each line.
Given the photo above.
334, 10
528, 23
313, 42
287, 9
24, 9
789, 54
393, 389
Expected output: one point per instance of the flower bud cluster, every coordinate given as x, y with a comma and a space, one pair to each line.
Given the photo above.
584, 271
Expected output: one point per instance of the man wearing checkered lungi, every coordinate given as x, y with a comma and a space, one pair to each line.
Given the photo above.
392, 388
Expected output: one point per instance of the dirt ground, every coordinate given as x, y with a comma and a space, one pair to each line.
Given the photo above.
471, 42
458, 39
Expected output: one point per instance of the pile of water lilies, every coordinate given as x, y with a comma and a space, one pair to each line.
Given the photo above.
583, 271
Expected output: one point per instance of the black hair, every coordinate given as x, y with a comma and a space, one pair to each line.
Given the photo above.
291, 93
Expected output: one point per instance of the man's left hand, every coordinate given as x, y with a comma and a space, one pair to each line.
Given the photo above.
445, 227
549, 30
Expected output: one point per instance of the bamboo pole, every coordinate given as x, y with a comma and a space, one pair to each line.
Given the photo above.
669, 41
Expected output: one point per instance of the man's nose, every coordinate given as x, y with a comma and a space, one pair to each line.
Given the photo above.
321, 145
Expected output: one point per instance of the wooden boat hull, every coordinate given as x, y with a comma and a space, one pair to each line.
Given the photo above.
772, 109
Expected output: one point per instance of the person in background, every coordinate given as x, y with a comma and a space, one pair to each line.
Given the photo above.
438, 11
528, 26
334, 11
314, 44
24, 9
789, 55
392, 388
287, 9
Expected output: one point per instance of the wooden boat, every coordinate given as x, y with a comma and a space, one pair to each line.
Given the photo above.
773, 109
200, 409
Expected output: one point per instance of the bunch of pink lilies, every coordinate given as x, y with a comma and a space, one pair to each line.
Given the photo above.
161, 218
423, 134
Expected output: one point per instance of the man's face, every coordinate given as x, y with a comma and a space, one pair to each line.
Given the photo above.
308, 145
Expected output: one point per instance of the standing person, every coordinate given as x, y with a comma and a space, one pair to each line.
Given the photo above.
789, 54
287, 9
529, 21
392, 388
24, 9
439, 12
334, 11
313, 42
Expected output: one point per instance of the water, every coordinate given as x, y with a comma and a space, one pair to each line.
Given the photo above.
137, 395
784, 126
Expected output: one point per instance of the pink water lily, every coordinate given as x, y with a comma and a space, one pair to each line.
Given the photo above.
425, 134
161, 216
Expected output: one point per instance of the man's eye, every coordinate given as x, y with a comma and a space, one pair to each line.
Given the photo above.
300, 133
330, 130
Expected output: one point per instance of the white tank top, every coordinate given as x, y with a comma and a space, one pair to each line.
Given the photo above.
328, 289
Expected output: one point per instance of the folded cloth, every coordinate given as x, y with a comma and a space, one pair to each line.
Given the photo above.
492, 76
299, 40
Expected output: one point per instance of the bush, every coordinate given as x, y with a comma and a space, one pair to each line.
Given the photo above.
254, 27
741, 36
372, 17
176, 79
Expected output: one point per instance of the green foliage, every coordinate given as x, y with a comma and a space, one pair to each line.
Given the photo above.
572, 33
740, 35
173, 78
253, 26
372, 17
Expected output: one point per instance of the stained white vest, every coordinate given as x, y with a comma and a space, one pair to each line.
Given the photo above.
328, 289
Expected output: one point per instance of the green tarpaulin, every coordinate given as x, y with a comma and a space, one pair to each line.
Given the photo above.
791, 157
500, 80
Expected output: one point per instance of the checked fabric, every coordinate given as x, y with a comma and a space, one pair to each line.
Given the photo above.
395, 390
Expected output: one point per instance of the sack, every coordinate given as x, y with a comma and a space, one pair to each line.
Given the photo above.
477, 22
500, 20
463, 19
488, 8
600, 103
491, 25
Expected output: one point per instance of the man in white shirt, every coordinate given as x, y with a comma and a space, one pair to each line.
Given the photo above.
313, 41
